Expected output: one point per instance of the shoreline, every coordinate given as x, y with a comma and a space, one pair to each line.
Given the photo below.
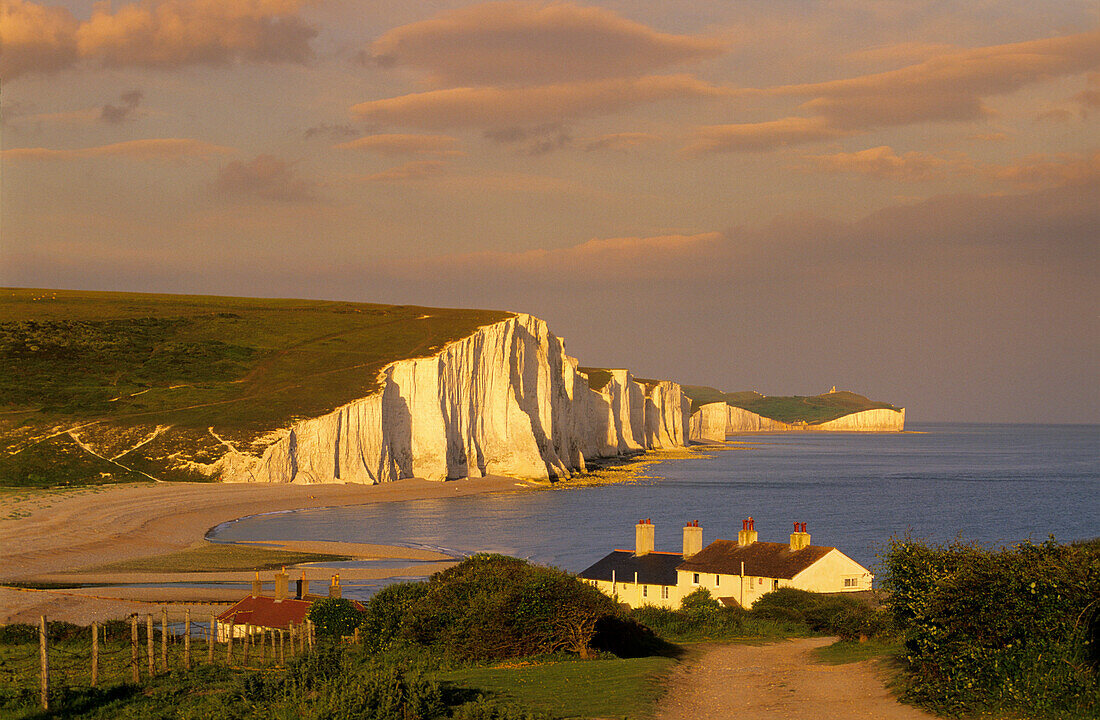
62, 535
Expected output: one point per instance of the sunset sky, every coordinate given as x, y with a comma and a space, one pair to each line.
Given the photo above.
898, 197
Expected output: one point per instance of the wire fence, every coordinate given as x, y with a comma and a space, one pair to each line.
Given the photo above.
64, 658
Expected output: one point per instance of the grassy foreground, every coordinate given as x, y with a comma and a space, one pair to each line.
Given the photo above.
110, 387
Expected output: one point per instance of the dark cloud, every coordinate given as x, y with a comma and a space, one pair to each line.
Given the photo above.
265, 177
125, 110
331, 131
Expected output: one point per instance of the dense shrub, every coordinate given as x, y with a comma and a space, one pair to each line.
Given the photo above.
998, 628
493, 606
851, 618
700, 617
335, 617
382, 622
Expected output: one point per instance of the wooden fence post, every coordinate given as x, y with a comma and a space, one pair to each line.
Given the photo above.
187, 639
247, 642
229, 643
290, 637
211, 639
43, 652
149, 640
95, 654
282, 649
134, 650
263, 645
164, 638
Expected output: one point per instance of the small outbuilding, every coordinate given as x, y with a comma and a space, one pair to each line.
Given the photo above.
258, 613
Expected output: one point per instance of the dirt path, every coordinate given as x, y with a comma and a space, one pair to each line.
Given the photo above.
780, 681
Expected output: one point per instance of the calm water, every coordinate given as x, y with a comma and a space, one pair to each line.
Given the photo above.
993, 483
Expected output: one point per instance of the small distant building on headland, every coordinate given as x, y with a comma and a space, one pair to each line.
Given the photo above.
259, 613
736, 573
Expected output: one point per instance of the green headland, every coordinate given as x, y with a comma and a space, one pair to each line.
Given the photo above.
147, 375
811, 409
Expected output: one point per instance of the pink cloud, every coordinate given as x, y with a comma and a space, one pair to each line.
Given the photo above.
881, 162
267, 178
945, 87
618, 141
644, 256
503, 106
762, 136
415, 170
532, 43
35, 38
149, 149
396, 144
159, 33
1048, 171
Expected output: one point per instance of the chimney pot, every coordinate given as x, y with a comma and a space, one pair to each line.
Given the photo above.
643, 538
693, 539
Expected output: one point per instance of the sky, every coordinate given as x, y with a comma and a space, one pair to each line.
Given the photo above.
895, 197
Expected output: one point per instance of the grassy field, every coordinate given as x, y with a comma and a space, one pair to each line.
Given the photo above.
140, 378
790, 409
590, 689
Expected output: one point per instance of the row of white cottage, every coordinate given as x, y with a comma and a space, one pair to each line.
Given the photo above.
736, 573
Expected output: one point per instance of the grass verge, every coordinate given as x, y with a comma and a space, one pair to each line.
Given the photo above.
595, 688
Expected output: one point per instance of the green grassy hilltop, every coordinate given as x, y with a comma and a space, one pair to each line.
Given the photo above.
108, 387
790, 409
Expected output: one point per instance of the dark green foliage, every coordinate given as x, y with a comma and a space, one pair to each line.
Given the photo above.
700, 617
847, 616
493, 606
335, 617
382, 622
1005, 628
483, 709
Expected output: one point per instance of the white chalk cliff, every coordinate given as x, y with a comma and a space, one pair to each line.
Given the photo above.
714, 421
505, 400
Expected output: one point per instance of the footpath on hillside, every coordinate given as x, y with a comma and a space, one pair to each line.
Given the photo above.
780, 681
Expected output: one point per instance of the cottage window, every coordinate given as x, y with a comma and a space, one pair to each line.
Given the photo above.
695, 579
851, 582
717, 580
645, 591
664, 592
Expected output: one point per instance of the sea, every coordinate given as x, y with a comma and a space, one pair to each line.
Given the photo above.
993, 484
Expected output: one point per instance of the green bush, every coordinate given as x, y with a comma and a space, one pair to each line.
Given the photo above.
382, 622
493, 606
335, 617
1004, 629
851, 618
700, 617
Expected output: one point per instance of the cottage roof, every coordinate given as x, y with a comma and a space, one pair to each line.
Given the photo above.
653, 568
762, 559
265, 612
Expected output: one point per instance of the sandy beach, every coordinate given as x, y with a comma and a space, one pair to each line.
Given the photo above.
56, 536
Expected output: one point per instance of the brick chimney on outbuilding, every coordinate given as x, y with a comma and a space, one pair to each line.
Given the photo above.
282, 583
643, 537
334, 590
257, 586
747, 536
799, 538
693, 539
303, 587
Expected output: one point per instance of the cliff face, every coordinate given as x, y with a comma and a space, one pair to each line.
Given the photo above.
714, 421
506, 400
